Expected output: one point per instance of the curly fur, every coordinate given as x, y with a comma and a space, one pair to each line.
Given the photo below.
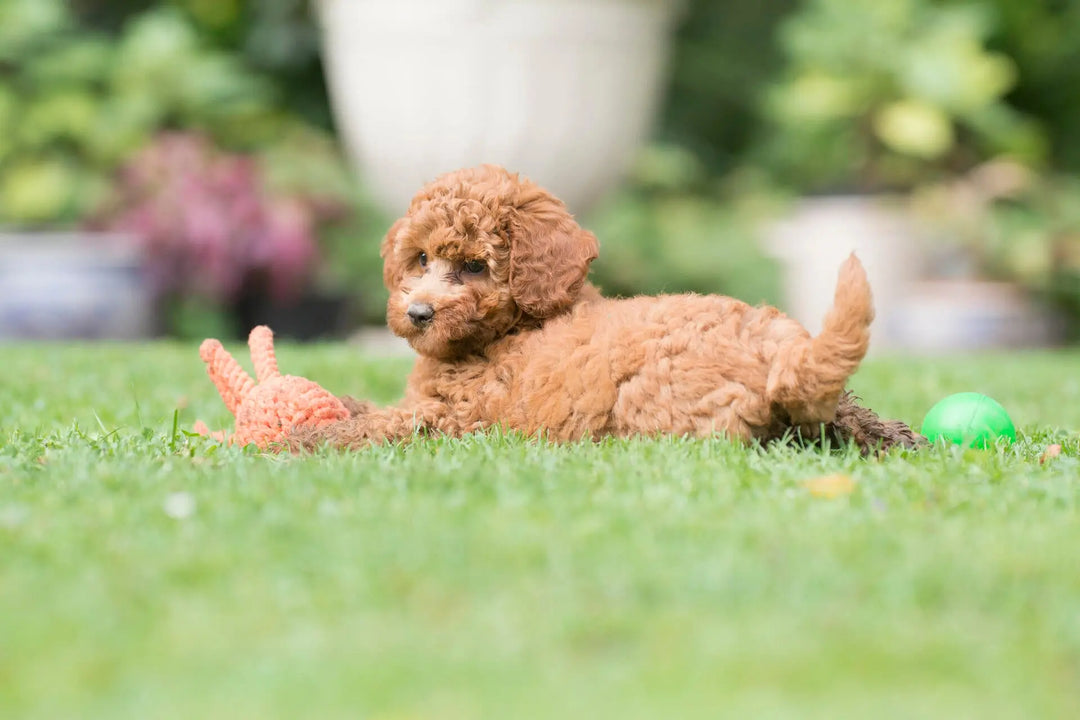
518, 338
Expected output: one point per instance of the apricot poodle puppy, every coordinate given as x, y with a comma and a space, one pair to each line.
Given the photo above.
487, 279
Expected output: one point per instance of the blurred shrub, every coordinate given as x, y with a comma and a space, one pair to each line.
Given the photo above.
352, 250
728, 53
1043, 38
673, 229
74, 103
724, 54
887, 94
277, 38
1005, 222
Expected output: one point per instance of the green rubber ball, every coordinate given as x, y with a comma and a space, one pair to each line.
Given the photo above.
969, 419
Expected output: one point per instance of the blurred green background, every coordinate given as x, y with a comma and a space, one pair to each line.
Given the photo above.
766, 101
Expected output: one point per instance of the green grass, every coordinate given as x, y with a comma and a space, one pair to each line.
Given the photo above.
497, 577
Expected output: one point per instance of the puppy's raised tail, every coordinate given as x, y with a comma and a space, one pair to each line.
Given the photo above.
810, 377
845, 335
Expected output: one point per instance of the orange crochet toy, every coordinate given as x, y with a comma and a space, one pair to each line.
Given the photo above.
268, 407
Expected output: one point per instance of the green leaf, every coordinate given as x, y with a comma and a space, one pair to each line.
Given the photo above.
36, 190
82, 60
26, 23
915, 128
815, 96
63, 115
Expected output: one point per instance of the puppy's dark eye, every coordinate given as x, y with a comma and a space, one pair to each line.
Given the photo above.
422, 259
474, 267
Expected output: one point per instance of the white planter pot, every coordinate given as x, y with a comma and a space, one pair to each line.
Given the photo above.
821, 232
562, 91
966, 315
58, 286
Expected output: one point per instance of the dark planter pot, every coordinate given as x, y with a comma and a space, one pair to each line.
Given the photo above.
58, 286
311, 316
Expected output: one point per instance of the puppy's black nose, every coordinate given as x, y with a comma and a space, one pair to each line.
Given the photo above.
420, 313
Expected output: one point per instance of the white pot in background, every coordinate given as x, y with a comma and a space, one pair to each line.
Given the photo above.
964, 315
72, 285
562, 91
817, 237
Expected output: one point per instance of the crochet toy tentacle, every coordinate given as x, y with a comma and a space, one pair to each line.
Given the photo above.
201, 428
261, 342
231, 380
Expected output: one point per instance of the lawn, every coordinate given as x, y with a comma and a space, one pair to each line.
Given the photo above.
148, 574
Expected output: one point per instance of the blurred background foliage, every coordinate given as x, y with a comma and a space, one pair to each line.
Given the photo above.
767, 99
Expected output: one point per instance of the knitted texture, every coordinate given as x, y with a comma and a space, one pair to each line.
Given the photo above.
270, 406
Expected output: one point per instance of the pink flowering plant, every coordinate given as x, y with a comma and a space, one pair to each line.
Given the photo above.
209, 224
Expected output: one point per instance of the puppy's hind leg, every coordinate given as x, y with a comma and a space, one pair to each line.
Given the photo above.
862, 426
809, 374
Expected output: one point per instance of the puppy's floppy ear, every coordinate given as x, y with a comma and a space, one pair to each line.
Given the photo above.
391, 272
549, 255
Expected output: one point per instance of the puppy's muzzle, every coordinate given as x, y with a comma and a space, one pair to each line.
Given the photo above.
420, 313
